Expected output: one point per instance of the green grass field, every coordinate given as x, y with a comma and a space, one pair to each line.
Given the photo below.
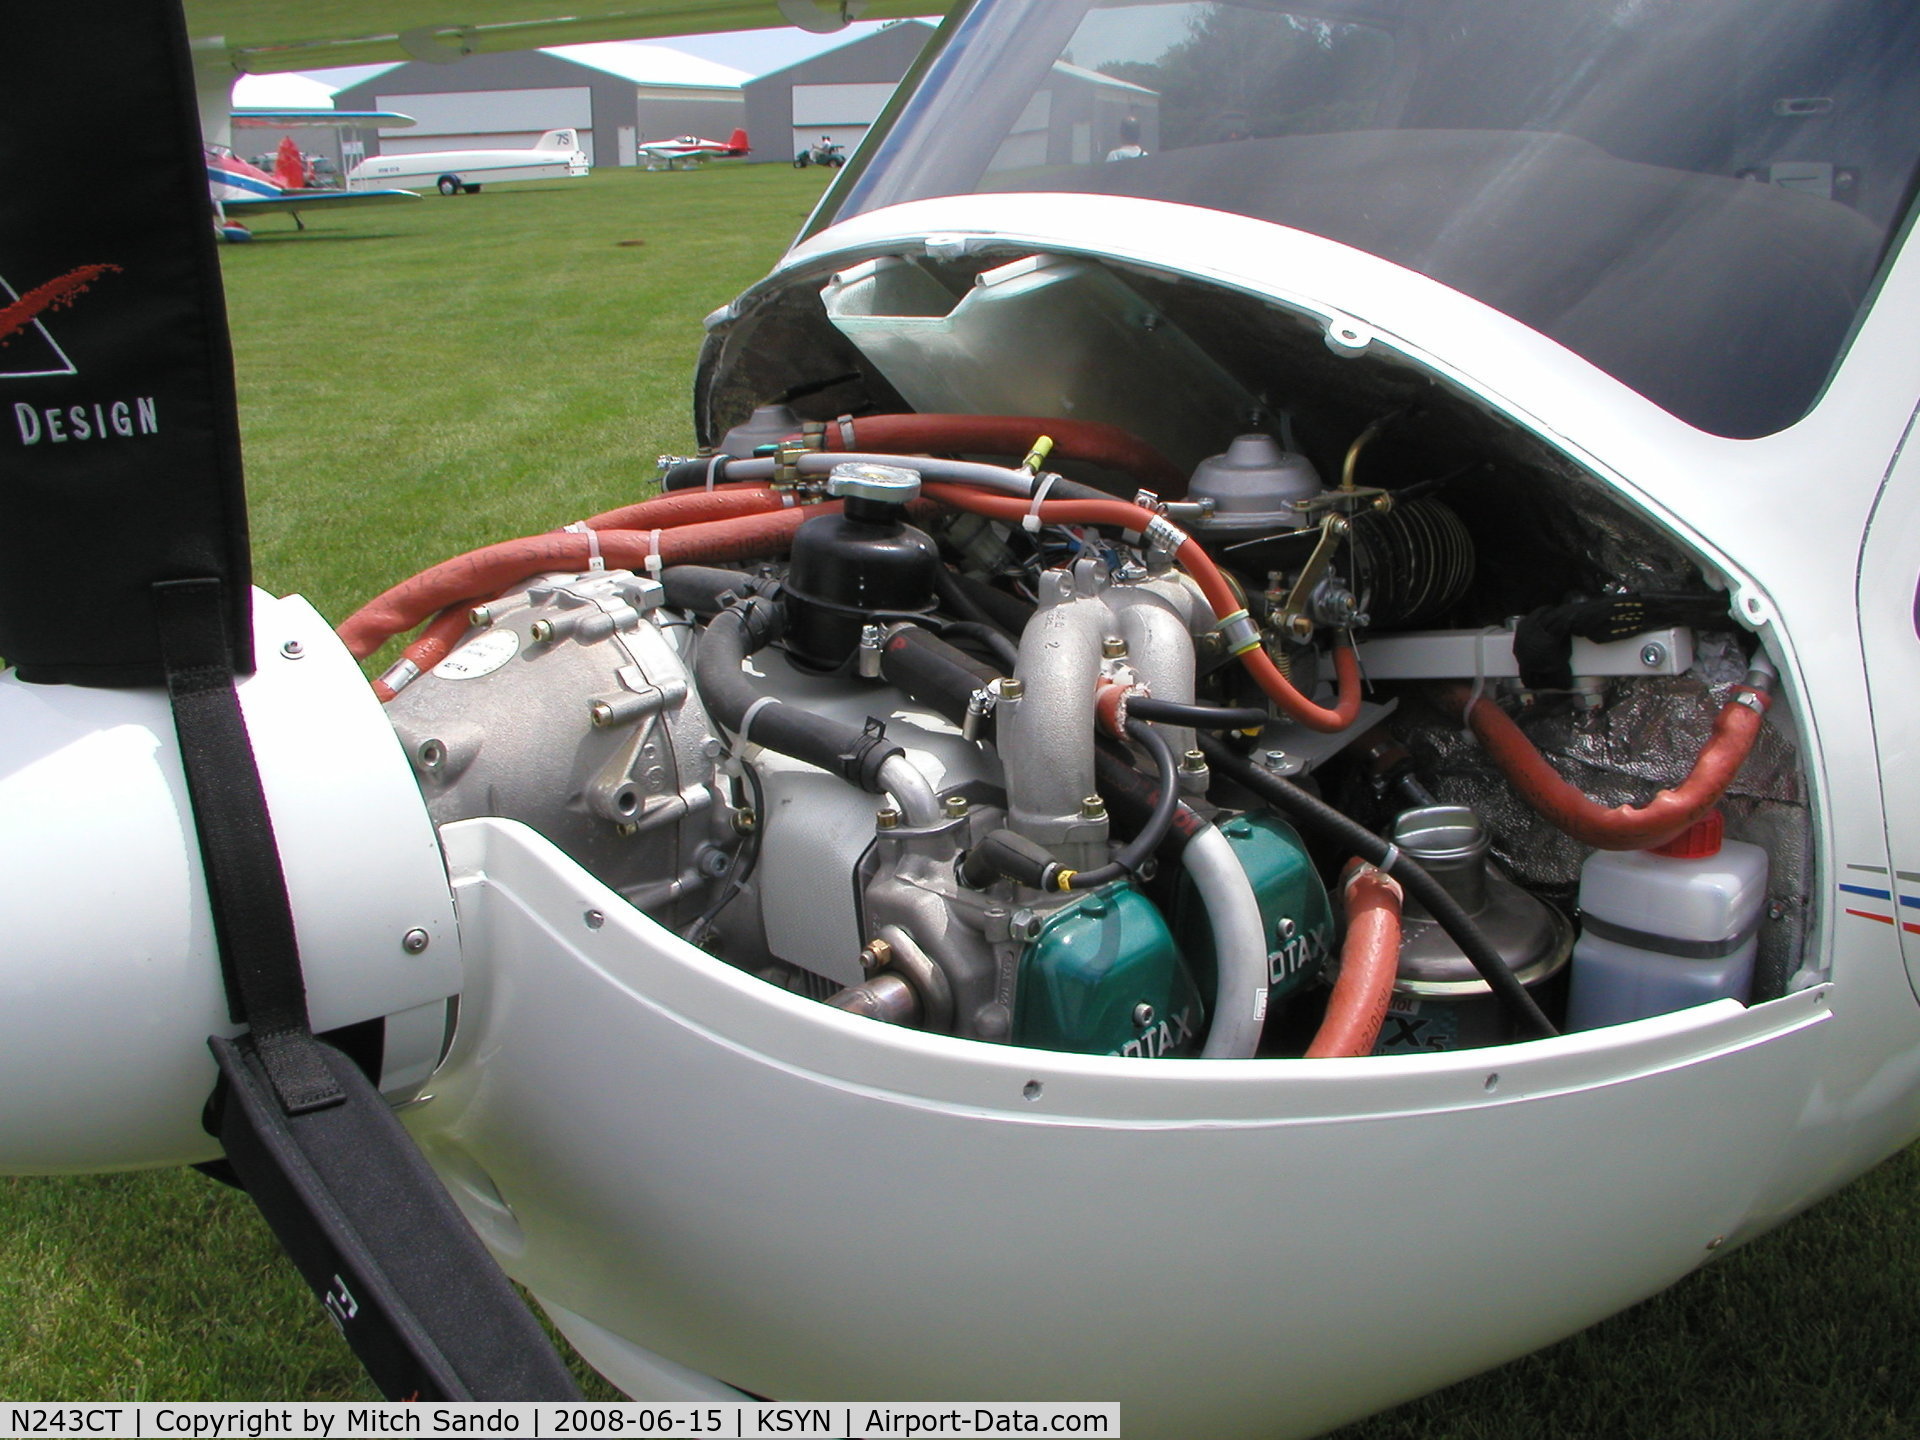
420, 379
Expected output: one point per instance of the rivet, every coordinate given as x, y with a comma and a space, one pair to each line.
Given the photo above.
414, 941
293, 649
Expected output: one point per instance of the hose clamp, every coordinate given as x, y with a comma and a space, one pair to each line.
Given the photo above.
1239, 632
1752, 699
1163, 535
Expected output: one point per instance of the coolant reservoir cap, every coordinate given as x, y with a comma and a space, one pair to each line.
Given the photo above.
1698, 841
863, 480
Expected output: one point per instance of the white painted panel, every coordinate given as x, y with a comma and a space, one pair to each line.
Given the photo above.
488, 112
838, 104
464, 140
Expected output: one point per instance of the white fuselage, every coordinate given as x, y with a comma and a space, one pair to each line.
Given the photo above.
467, 167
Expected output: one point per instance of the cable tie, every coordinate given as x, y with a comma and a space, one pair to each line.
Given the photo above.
713, 469
654, 563
1388, 860
595, 561
1030, 522
746, 720
1479, 678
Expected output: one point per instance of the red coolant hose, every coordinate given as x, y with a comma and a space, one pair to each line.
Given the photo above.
494, 568
686, 507
1198, 564
1108, 446
428, 649
1369, 960
1625, 827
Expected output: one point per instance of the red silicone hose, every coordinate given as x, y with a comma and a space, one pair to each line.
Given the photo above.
1369, 960
494, 568
1624, 827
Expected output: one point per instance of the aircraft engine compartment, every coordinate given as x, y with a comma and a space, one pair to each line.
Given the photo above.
1277, 701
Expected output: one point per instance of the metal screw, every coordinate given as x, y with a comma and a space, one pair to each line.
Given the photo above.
1143, 1015
876, 955
594, 919
886, 817
1010, 688
957, 807
1653, 654
541, 631
1716, 1242
480, 616
293, 649
1025, 925
1113, 648
1194, 761
1092, 807
1286, 927
414, 941
1281, 763
601, 713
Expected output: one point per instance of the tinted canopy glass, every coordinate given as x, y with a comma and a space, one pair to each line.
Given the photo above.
1696, 195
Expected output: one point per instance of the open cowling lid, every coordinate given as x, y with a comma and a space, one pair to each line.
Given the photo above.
119, 440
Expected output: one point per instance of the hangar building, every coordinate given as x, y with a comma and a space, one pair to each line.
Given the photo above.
617, 94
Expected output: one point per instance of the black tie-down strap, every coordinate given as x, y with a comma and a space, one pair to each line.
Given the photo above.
342, 1185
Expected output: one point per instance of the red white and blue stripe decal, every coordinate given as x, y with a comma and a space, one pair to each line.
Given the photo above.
1870, 894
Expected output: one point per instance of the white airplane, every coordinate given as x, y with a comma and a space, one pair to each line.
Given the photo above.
686, 151
556, 155
924, 979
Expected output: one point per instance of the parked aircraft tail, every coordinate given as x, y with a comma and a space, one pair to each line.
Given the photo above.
289, 165
558, 140
737, 142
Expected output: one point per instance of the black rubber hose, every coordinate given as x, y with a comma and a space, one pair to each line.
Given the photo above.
1200, 717
1166, 805
734, 634
989, 636
929, 670
1316, 814
703, 588
687, 474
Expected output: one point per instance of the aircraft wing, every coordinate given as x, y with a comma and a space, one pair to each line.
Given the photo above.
342, 119
262, 36
312, 200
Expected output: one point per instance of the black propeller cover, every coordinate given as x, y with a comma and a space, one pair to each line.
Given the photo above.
119, 438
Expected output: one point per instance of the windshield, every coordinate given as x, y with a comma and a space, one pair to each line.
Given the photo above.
1695, 195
